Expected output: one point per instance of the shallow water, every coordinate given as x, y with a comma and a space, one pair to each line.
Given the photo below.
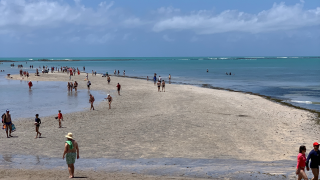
202, 168
45, 98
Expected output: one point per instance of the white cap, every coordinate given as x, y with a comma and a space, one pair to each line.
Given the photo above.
108, 95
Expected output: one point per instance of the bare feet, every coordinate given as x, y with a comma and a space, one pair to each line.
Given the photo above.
40, 135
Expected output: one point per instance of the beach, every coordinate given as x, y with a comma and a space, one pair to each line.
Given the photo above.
184, 122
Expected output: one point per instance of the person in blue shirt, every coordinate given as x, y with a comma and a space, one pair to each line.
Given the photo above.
314, 155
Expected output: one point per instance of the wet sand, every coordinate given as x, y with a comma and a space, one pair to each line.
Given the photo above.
183, 122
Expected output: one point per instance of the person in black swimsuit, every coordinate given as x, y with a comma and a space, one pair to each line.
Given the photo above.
159, 84
37, 122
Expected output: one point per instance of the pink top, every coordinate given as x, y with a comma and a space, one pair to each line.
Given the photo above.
301, 160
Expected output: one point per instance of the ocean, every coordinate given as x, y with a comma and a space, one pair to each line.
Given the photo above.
294, 80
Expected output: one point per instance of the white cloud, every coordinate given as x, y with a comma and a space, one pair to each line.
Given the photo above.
24, 15
279, 18
167, 10
166, 38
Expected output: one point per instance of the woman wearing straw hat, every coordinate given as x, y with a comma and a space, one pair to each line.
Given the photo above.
71, 150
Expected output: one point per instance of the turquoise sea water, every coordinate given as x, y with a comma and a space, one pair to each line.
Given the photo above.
292, 79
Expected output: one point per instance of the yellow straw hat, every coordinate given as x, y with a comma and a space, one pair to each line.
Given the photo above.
69, 136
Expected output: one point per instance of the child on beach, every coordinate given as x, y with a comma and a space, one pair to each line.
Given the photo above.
60, 117
108, 79
37, 124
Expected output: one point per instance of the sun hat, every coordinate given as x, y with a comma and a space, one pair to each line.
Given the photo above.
315, 144
69, 136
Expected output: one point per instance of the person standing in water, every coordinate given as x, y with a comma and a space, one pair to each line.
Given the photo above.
60, 117
109, 98
71, 152
88, 84
91, 100
37, 124
7, 122
314, 156
118, 88
30, 84
207, 70
301, 163
124, 72
75, 85
169, 77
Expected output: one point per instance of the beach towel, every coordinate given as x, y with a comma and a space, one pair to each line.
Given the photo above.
13, 128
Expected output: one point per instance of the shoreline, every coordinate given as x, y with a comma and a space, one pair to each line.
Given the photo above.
273, 99
184, 122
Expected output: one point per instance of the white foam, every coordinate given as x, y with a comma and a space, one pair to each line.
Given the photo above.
30, 59
223, 58
294, 57
303, 102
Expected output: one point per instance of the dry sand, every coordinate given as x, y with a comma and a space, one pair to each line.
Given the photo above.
183, 122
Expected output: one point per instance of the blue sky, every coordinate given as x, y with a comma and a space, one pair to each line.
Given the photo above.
97, 28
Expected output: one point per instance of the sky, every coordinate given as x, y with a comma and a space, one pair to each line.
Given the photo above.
163, 28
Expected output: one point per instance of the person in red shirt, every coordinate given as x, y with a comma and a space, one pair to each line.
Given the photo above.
30, 84
118, 88
60, 117
301, 163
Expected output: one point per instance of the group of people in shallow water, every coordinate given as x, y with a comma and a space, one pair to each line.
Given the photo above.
72, 86
303, 162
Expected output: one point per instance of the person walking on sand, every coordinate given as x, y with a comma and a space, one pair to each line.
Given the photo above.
92, 72
118, 88
108, 79
87, 77
60, 118
109, 98
88, 84
37, 124
8, 123
71, 152
91, 100
314, 156
30, 84
159, 84
163, 86
95, 73
301, 163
